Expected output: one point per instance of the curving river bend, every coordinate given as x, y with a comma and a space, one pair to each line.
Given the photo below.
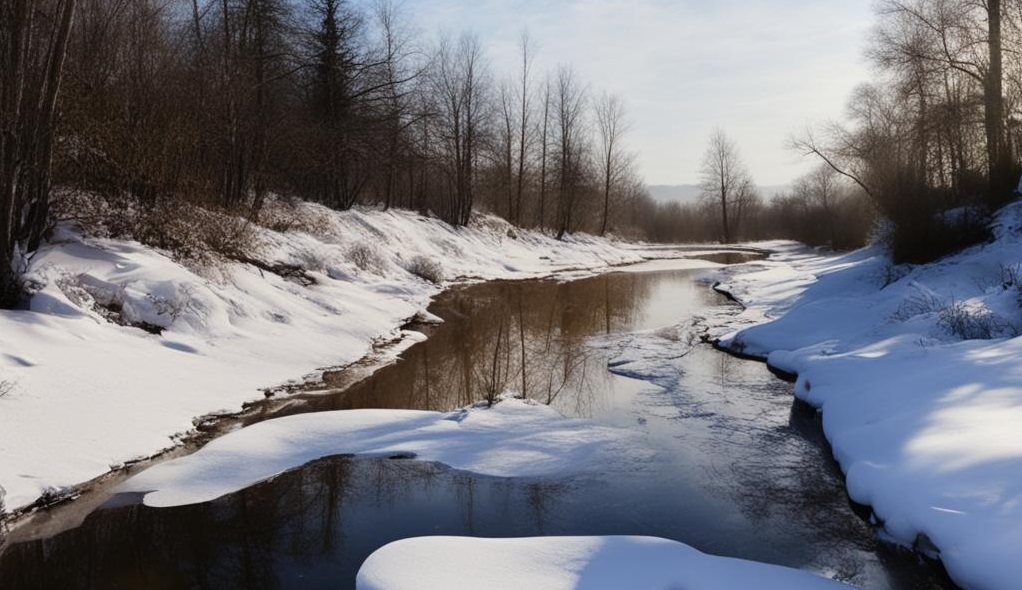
744, 471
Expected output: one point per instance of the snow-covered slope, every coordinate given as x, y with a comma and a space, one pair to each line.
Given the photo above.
80, 394
918, 374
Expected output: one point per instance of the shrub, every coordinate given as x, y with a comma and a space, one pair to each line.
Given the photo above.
915, 305
973, 323
1011, 279
367, 257
928, 223
197, 234
426, 268
291, 215
190, 232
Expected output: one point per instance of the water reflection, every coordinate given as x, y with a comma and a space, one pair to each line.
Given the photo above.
743, 472
524, 337
767, 455
311, 528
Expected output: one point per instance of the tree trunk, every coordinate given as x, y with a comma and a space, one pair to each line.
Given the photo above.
26, 133
998, 160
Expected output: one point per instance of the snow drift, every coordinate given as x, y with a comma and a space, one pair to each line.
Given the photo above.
569, 563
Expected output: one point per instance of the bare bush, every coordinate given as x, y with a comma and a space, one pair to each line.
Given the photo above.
890, 274
916, 305
191, 233
367, 257
311, 259
289, 215
973, 323
104, 216
426, 268
197, 234
1011, 279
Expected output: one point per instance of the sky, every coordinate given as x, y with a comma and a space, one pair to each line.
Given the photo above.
759, 69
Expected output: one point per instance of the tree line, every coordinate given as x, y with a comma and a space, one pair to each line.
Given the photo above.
931, 145
220, 103
933, 140
169, 104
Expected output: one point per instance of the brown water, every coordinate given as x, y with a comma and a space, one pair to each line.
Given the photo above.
743, 469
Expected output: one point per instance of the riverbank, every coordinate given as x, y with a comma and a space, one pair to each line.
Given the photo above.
123, 350
916, 371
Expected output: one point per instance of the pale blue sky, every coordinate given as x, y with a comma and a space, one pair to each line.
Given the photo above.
760, 69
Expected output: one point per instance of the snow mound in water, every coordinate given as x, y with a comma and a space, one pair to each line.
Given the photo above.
569, 563
512, 438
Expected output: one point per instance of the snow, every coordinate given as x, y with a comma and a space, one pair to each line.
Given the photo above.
513, 438
918, 374
84, 395
563, 563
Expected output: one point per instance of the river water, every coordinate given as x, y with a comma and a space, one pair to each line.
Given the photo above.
742, 469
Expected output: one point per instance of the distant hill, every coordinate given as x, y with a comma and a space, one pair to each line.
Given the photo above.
689, 193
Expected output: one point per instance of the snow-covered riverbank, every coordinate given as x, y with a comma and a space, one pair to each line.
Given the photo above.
81, 394
918, 374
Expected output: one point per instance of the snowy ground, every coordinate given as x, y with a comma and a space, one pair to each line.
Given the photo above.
918, 374
563, 563
514, 438
80, 395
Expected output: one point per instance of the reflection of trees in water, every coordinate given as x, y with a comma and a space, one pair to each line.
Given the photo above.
767, 453
326, 517
529, 338
542, 502
774, 472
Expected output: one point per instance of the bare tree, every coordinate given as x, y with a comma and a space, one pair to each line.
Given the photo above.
611, 126
524, 119
821, 189
726, 183
505, 143
544, 144
963, 38
461, 87
33, 44
569, 113
396, 82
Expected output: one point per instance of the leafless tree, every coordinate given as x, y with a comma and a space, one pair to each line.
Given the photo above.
611, 125
33, 42
544, 145
461, 88
570, 98
955, 38
726, 183
524, 120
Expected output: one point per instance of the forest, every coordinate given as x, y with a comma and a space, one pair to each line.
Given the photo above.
153, 118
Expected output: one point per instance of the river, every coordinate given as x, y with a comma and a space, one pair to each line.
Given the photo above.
743, 469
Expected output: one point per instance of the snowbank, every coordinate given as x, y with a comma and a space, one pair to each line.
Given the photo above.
84, 387
918, 374
563, 563
511, 439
